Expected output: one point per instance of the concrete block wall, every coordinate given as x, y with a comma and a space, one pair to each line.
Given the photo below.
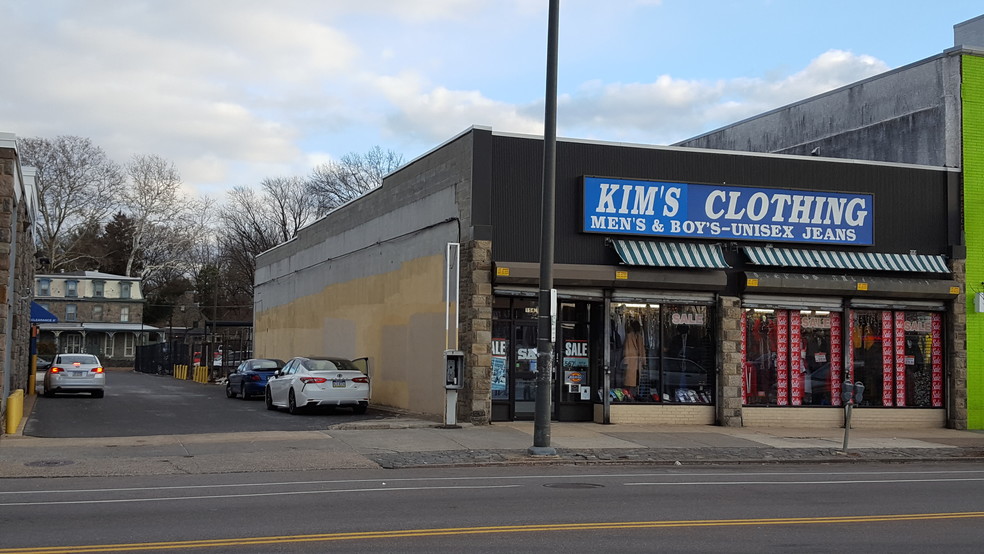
830, 418
809, 418
656, 414
914, 418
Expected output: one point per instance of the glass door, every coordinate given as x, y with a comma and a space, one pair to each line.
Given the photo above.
524, 370
578, 353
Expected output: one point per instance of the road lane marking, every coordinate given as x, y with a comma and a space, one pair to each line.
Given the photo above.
249, 495
450, 531
837, 482
488, 478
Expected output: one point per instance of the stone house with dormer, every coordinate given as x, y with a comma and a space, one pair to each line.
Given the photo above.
98, 313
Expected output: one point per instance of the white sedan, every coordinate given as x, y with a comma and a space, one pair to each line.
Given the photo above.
319, 381
75, 373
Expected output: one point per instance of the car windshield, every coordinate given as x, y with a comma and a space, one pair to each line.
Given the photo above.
77, 359
334, 364
265, 364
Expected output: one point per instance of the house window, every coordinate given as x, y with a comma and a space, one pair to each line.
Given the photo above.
125, 313
129, 342
97, 313
73, 344
124, 290
44, 287
98, 288
108, 341
71, 288
71, 312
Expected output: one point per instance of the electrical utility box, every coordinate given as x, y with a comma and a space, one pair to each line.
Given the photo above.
454, 365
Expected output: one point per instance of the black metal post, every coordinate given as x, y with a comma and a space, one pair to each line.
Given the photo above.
545, 316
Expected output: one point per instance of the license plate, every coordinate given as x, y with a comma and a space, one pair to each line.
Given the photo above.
78, 374
338, 383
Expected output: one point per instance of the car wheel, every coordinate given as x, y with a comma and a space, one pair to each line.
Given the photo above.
360, 408
48, 393
292, 406
229, 392
268, 399
98, 394
242, 392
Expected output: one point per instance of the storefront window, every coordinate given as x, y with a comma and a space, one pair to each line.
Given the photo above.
792, 358
661, 353
898, 357
797, 357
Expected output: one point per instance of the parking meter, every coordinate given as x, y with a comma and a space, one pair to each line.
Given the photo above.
858, 392
847, 391
852, 391
454, 364
851, 394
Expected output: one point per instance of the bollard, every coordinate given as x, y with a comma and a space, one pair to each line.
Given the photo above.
15, 410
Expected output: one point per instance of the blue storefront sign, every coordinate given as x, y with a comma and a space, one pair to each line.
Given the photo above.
685, 210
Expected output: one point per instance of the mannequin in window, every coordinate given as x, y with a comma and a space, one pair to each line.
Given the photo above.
635, 351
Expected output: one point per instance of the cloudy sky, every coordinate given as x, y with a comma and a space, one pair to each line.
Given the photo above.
233, 91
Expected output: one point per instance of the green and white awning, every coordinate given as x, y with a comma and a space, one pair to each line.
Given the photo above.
670, 254
828, 259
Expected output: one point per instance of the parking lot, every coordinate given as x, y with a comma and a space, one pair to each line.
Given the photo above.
138, 404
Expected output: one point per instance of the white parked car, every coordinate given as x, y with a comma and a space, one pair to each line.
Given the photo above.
75, 373
319, 381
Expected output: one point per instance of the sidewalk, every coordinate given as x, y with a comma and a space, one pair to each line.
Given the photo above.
405, 442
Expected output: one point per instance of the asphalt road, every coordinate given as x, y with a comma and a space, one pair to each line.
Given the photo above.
868, 508
138, 404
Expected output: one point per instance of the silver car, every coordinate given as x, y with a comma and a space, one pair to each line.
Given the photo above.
319, 381
75, 373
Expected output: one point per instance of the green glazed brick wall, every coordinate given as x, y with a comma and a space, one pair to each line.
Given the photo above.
972, 100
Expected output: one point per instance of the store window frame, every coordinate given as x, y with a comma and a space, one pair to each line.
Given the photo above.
894, 350
671, 371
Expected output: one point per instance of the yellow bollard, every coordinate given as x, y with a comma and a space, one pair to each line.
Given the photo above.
32, 378
15, 410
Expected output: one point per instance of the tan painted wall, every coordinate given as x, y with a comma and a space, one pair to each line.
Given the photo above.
396, 319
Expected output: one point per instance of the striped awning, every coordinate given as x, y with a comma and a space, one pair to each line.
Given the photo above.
797, 257
670, 254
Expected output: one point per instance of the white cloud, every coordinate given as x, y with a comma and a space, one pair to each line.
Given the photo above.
235, 91
669, 109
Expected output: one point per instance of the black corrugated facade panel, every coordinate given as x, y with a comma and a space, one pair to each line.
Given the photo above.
910, 203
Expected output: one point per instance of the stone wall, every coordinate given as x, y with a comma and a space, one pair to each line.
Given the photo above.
16, 278
475, 399
729, 409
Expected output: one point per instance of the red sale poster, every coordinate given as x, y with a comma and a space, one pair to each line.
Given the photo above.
795, 358
900, 358
937, 360
744, 359
782, 357
888, 366
836, 351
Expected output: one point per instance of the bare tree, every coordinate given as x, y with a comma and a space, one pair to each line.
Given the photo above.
335, 183
256, 221
289, 205
78, 187
166, 225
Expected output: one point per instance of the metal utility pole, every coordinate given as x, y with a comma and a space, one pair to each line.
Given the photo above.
545, 316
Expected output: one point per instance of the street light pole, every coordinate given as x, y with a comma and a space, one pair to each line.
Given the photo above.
545, 316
